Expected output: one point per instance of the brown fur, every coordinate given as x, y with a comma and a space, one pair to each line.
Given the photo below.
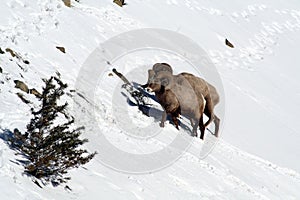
210, 95
200, 86
166, 98
176, 96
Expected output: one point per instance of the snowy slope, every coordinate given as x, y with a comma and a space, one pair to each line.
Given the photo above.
258, 154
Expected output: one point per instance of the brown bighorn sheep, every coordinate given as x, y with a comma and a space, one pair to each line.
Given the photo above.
200, 86
166, 98
176, 96
210, 95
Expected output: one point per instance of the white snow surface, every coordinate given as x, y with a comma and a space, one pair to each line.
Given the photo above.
257, 155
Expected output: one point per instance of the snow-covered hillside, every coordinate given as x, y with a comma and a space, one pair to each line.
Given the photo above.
257, 155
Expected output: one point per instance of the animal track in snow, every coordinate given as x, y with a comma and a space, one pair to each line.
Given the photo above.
172, 2
110, 17
261, 43
34, 23
223, 172
246, 14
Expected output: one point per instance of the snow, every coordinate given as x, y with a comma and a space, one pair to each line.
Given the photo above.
257, 156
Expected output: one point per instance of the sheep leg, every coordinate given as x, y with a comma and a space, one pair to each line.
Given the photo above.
175, 121
217, 124
216, 121
192, 122
202, 127
209, 111
195, 126
163, 119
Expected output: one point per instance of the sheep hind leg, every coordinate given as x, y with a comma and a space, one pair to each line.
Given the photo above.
192, 122
217, 124
163, 119
195, 126
209, 111
202, 127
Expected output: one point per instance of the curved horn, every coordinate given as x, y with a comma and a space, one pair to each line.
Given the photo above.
162, 67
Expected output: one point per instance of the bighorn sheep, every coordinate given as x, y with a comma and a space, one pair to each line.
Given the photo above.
200, 86
166, 98
210, 95
176, 96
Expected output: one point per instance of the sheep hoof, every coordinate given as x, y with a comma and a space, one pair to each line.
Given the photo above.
162, 125
194, 134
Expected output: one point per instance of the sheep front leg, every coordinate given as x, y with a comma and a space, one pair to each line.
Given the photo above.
175, 121
163, 119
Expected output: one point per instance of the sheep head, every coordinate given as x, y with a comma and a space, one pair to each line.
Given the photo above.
159, 82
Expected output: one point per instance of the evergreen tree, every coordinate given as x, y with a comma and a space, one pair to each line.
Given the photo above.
49, 145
